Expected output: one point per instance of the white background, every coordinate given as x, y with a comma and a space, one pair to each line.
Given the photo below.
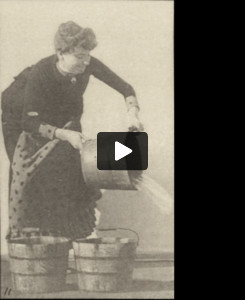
135, 39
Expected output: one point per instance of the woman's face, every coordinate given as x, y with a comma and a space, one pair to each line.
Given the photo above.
75, 62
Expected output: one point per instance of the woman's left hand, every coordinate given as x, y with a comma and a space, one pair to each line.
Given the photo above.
134, 123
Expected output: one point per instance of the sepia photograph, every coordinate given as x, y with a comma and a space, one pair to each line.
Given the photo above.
87, 149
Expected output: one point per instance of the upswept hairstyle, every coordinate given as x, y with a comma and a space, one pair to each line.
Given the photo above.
70, 35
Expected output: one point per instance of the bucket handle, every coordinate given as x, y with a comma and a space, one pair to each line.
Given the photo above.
121, 228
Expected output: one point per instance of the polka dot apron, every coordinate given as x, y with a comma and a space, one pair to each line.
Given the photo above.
47, 190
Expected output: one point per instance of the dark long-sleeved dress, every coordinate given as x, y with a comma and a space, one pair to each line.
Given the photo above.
47, 189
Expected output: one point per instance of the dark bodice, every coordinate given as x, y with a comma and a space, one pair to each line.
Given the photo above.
56, 99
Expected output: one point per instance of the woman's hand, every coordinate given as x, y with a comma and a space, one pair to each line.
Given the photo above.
134, 123
75, 138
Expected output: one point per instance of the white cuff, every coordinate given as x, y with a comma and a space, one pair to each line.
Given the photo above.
47, 131
131, 101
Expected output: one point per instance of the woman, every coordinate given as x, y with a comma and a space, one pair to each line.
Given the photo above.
47, 190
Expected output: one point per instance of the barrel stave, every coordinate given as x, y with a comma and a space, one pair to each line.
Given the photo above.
38, 264
104, 264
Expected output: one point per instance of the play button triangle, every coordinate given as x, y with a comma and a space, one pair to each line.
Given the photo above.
121, 151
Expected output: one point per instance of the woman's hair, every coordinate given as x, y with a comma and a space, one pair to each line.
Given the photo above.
70, 35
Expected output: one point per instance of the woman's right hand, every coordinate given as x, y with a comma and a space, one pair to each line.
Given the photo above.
73, 137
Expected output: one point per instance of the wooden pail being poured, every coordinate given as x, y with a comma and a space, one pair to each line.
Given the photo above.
106, 179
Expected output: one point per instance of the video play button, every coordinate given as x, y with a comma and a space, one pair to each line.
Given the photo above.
121, 151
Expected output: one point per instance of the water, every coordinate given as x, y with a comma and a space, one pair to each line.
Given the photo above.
149, 187
155, 192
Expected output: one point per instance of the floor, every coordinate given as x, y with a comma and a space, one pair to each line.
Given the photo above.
151, 280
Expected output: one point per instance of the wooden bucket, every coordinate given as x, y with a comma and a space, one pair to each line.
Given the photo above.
106, 179
38, 264
105, 264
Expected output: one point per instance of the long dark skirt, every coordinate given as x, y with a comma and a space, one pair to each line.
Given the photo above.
47, 189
